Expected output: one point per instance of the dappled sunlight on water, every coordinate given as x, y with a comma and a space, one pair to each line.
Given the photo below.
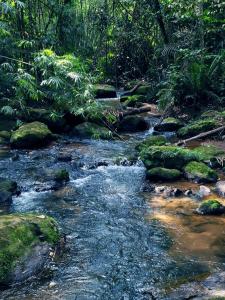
199, 237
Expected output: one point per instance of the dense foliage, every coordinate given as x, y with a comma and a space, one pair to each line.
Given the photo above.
49, 48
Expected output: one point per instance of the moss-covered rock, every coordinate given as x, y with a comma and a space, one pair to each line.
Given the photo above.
199, 172
92, 130
104, 91
55, 124
157, 140
133, 124
8, 188
197, 127
31, 135
61, 176
135, 100
171, 157
211, 207
5, 134
143, 90
210, 154
124, 98
25, 242
163, 174
169, 124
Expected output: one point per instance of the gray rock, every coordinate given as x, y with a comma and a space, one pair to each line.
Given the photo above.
204, 191
220, 188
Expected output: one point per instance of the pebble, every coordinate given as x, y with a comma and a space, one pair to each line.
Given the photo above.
52, 284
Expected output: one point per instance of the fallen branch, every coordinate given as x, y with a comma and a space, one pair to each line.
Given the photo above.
130, 92
201, 135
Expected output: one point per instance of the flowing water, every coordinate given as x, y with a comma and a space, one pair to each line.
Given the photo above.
121, 243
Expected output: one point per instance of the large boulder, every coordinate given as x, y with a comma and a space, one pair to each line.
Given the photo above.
104, 91
133, 124
31, 135
199, 172
26, 241
170, 157
169, 124
92, 130
197, 127
134, 101
143, 90
211, 207
163, 174
153, 140
8, 188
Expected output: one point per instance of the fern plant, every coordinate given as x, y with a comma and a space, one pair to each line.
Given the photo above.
194, 84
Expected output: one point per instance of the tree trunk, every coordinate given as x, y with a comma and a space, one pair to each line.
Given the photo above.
156, 8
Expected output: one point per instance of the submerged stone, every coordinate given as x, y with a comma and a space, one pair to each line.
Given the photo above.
25, 244
211, 207
31, 135
8, 188
199, 172
61, 175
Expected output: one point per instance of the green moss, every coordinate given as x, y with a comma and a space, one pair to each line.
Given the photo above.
124, 98
211, 207
169, 124
209, 152
5, 134
19, 234
157, 140
61, 175
200, 172
135, 100
104, 91
31, 135
143, 90
163, 174
171, 157
197, 127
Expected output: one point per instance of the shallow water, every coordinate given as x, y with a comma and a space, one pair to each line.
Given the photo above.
121, 243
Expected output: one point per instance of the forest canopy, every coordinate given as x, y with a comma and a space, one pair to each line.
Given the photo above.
54, 50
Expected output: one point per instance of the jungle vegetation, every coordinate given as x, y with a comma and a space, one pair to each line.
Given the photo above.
53, 51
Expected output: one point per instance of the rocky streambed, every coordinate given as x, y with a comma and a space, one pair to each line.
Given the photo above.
125, 239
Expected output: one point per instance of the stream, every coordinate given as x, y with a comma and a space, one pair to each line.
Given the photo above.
121, 243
